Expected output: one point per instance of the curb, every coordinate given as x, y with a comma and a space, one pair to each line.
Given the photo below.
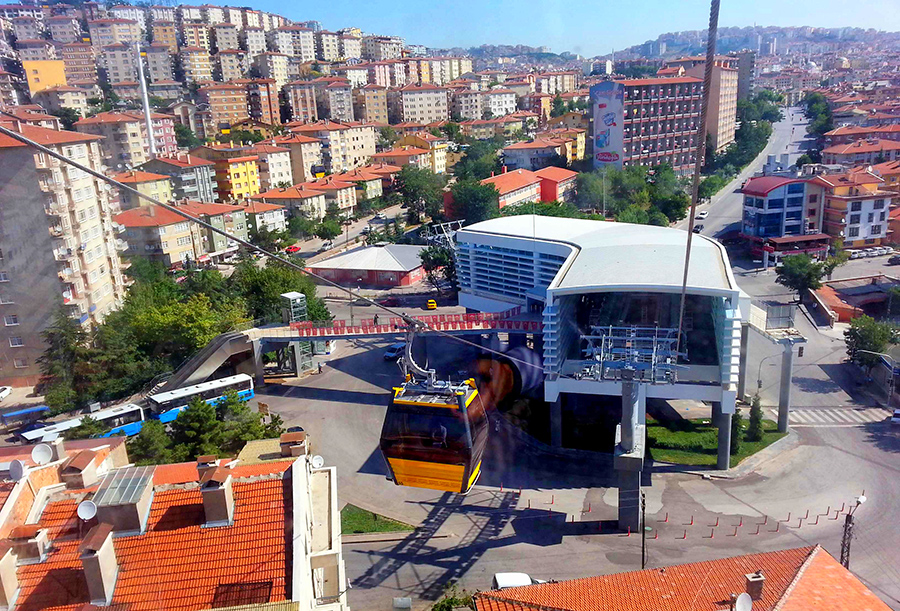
788, 442
388, 537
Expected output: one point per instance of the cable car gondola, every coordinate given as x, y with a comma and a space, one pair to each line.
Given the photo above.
434, 432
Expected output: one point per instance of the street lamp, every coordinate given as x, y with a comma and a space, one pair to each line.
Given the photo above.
890, 395
848, 532
759, 372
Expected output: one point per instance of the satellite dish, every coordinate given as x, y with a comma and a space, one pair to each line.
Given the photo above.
41, 454
16, 470
318, 462
743, 603
87, 510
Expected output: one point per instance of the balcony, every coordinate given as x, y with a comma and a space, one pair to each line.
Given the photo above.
63, 254
121, 245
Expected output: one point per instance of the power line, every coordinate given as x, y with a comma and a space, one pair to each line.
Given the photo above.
409, 320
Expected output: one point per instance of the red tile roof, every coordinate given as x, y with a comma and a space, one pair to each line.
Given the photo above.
640, 82
698, 585
512, 181
137, 176
150, 215
863, 146
556, 174
258, 207
403, 151
44, 136
301, 191
176, 564
183, 160
294, 137
762, 185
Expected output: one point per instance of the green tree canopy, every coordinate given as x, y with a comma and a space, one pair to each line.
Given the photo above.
422, 190
439, 264
328, 229
800, 273
185, 138
867, 335
474, 201
89, 427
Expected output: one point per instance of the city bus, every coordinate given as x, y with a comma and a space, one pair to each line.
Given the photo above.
125, 419
167, 405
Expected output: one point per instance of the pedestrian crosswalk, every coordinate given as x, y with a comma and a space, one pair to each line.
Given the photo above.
834, 417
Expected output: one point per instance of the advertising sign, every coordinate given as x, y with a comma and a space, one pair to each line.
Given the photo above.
607, 102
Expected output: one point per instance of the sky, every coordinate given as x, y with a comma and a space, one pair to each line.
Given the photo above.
588, 27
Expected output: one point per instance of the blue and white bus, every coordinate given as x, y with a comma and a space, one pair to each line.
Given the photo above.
125, 419
167, 405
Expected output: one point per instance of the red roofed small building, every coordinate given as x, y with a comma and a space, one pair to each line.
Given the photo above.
862, 152
338, 192
368, 184
157, 186
516, 187
374, 266
301, 200
798, 579
260, 214
557, 184
405, 155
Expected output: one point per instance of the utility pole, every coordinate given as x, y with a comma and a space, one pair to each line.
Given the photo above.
848, 532
643, 530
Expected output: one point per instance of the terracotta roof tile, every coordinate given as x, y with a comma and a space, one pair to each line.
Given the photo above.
511, 181
556, 174
137, 176
45, 136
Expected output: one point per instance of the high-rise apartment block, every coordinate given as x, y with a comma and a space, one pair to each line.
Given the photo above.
423, 104
230, 64
380, 48
327, 46
195, 34
370, 104
226, 36
344, 145
78, 62
192, 177
125, 141
64, 29
165, 33
159, 62
273, 66
301, 97
120, 63
196, 65
254, 41
227, 103
105, 32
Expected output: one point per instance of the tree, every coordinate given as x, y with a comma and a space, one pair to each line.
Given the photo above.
185, 138
633, 214
262, 289
558, 107
422, 190
196, 432
737, 430
301, 227
438, 263
474, 201
755, 429
328, 229
480, 160
589, 190
64, 364
867, 335
156, 101
152, 446
838, 257
800, 273
266, 239
67, 116
87, 428
387, 136
452, 131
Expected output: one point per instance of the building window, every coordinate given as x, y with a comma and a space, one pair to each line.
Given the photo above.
853, 232
11, 320
871, 217
875, 229
855, 206
4, 276
16, 342
879, 204
854, 219
20, 363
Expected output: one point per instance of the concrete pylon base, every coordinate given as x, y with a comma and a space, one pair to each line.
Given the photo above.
629, 500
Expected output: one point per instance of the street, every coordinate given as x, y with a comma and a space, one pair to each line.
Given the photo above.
310, 249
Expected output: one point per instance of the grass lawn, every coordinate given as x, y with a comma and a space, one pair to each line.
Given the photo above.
694, 442
356, 520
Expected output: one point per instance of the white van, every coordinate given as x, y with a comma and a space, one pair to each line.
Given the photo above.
501, 581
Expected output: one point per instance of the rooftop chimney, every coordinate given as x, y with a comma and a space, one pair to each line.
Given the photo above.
30, 543
58, 451
755, 582
293, 444
98, 557
206, 463
218, 498
9, 581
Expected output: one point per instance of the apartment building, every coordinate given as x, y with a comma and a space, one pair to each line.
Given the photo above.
403, 156
516, 187
337, 192
337, 100
381, 48
192, 177
303, 42
161, 13
424, 104
35, 50
299, 200
344, 145
125, 136
227, 103
661, 121
262, 215
357, 75
467, 103
161, 235
187, 12
746, 65
165, 33
855, 207
721, 116
156, 186
230, 65
159, 62
253, 41
27, 28
281, 41
227, 217
105, 32
196, 65
237, 172
369, 185
554, 83
43, 74
129, 13
370, 104
195, 34
262, 100
212, 14
120, 63
499, 102
226, 36
64, 29
251, 18
56, 98
79, 63
273, 66
305, 154
861, 152
351, 47
379, 73
274, 165
59, 245
435, 145
328, 46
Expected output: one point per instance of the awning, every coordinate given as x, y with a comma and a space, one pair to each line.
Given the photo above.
800, 238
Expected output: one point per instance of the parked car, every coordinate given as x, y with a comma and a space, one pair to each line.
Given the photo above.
501, 581
895, 260
381, 216
895, 419
702, 215
292, 249
431, 304
326, 245
698, 228
390, 302
5, 391
394, 351
886, 250
871, 252
366, 230
856, 254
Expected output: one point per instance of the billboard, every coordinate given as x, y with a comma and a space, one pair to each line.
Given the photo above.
608, 106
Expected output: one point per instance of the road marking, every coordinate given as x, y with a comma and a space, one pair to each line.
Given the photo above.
836, 417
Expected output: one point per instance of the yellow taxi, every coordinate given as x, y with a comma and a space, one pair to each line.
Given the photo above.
431, 304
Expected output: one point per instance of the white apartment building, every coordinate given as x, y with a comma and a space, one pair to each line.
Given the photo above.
273, 66
159, 63
188, 12
424, 104
120, 63
64, 29
328, 46
381, 48
280, 41
212, 15
306, 155
27, 28
35, 50
468, 104
344, 146
105, 32
254, 41
499, 102
226, 35
59, 97
358, 76
125, 136
351, 47
162, 13
132, 13
304, 42
274, 164
231, 64
61, 249
338, 98
252, 19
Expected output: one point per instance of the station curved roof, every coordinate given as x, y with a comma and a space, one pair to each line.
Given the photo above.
609, 256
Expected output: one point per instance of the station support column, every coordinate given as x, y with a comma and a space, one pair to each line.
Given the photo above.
628, 457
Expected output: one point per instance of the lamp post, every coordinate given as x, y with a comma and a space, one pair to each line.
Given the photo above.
759, 372
890, 391
848, 532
